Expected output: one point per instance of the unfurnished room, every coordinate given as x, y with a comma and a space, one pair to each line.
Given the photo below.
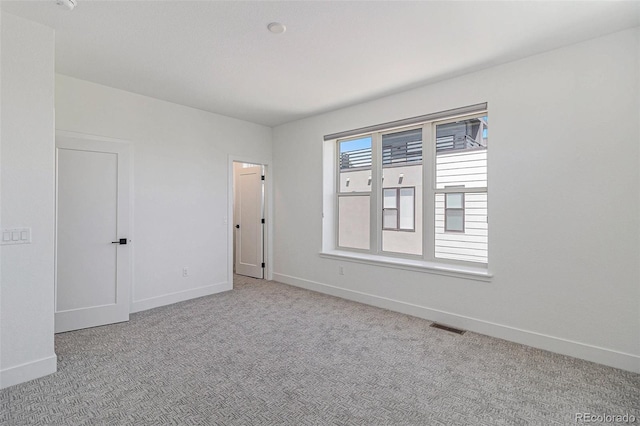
319, 212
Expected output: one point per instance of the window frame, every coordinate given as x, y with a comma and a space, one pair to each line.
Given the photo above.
429, 192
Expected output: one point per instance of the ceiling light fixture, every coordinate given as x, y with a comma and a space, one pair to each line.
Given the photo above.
69, 4
276, 28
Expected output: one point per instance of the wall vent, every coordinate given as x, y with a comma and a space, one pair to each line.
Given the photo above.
447, 328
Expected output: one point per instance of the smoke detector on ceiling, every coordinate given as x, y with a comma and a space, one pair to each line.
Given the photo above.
69, 4
276, 28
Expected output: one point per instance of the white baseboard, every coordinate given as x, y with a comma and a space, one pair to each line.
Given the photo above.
587, 352
28, 371
179, 296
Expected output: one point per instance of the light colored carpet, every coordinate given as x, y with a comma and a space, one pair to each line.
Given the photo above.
270, 354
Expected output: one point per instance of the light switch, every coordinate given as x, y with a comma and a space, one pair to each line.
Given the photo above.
16, 236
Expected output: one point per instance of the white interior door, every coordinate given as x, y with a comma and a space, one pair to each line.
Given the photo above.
248, 214
92, 264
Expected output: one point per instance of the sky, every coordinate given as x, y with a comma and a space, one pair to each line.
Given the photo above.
355, 144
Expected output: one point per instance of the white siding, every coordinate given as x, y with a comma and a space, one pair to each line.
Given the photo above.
468, 169
465, 168
470, 245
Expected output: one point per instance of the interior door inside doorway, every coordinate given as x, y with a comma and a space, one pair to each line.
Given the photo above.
248, 215
92, 230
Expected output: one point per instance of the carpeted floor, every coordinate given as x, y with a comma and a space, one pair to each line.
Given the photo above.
270, 354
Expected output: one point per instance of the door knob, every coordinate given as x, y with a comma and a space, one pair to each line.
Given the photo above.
121, 241
237, 226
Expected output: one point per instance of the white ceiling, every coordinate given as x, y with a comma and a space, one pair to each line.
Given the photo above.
218, 55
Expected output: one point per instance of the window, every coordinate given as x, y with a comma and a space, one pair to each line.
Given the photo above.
398, 209
454, 212
415, 189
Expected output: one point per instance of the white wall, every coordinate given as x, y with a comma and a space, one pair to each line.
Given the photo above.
564, 204
27, 199
180, 183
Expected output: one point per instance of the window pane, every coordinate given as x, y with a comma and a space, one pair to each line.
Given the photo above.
402, 148
470, 245
353, 221
461, 154
407, 208
455, 201
389, 200
454, 220
355, 165
390, 219
402, 174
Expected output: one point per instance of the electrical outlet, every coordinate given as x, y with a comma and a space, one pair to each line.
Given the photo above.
341, 270
185, 272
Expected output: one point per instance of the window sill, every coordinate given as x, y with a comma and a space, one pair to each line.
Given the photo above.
467, 272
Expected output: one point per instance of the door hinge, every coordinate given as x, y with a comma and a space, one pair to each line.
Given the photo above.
263, 265
263, 221
262, 177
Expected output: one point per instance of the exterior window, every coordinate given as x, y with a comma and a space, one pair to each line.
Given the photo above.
454, 212
390, 208
398, 209
418, 192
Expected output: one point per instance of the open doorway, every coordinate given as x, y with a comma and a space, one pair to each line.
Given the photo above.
249, 219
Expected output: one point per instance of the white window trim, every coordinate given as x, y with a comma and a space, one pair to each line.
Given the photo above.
427, 263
